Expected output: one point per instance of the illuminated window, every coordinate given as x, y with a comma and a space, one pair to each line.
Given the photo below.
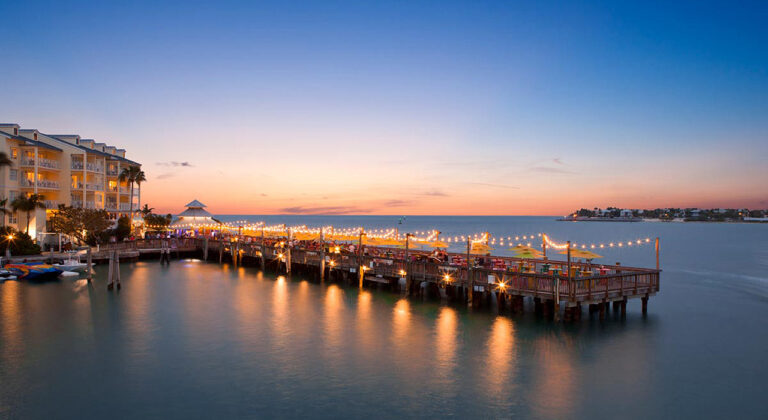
14, 153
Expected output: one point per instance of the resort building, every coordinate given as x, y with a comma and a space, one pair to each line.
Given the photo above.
64, 169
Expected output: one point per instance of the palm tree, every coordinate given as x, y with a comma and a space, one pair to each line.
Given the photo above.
144, 211
28, 205
132, 174
138, 179
4, 161
3, 210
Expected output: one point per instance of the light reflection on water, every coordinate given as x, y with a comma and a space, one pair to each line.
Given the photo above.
196, 339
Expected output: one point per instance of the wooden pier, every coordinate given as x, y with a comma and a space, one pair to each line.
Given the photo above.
554, 286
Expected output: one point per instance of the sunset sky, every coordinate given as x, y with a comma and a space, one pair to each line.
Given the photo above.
405, 107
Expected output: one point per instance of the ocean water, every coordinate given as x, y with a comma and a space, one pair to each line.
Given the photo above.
197, 340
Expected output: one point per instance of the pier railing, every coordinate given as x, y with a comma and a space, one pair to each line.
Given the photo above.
544, 278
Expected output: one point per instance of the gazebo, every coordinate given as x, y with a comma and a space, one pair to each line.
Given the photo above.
195, 217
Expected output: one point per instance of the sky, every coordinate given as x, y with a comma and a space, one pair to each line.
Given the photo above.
405, 107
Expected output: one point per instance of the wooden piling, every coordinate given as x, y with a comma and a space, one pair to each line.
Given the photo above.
322, 256
89, 260
205, 248
470, 280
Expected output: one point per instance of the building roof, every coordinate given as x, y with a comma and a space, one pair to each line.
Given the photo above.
30, 142
195, 203
94, 151
195, 213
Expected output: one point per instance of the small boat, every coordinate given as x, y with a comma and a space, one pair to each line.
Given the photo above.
72, 263
33, 271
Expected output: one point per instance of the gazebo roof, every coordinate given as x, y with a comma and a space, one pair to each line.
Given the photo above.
195, 204
195, 212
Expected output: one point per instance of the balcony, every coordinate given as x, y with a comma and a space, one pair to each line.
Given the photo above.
41, 163
94, 187
111, 206
112, 189
77, 203
125, 207
111, 172
125, 190
43, 184
93, 205
91, 167
51, 204
77, 186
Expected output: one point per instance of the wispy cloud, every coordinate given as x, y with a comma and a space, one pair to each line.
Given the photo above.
398, 203
551, 170
329, 210
434, 193
164, 176
486, 184
557, 161
173, 163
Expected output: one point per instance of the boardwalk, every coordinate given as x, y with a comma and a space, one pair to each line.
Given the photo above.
549, 283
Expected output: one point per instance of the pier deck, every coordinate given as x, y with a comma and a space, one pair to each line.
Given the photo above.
548, 282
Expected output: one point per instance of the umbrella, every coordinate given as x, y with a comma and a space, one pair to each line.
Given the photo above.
523, 248
438, 244
480, 248
581, 253
531, 253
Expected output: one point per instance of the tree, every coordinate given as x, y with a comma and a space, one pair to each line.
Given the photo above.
5, 160
19, 242
146, 210
85, 225
3, 209
157, 223
132, 174
28, 205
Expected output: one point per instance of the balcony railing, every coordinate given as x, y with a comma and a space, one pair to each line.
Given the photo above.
42, 183
125, 207
112, 189
77, 186
92, 205
94, 167
77, 203
94, 187
51, 204
41, 163
111, 172
77, 165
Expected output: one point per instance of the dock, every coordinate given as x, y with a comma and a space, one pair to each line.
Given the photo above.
554, 286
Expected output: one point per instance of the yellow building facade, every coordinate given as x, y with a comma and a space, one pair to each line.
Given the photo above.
64, 169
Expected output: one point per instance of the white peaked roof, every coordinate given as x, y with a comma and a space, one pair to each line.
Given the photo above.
194, 214
195, 204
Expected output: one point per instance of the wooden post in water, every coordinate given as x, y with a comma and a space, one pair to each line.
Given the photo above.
89, 260
322, 256
407, 265
263, 249
117, 269
232, 251
221, 249
569, 260
544, 244
657, 252
288, 253
110, 275
205, 248
470, 280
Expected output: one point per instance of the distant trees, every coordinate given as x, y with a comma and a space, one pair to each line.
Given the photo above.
157, 223
89, 226
28, 205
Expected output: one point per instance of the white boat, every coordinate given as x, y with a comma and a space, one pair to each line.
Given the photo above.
72, 263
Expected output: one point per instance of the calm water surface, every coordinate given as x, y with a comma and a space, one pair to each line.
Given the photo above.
197, 340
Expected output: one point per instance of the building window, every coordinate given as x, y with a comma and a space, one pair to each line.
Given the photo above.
14, 174
14, 153
12, 195
13, 218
